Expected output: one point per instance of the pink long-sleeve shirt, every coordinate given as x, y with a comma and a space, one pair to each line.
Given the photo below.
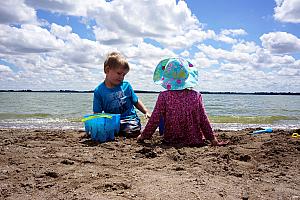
185, 119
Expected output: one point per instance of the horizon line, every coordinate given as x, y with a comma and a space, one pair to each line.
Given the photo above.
145, 91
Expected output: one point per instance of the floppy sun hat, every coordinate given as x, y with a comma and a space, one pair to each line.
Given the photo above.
175, 74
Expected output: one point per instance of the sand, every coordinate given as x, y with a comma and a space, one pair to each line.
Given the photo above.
63, 164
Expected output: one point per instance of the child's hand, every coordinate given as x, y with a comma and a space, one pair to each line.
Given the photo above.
139, 138
215, 142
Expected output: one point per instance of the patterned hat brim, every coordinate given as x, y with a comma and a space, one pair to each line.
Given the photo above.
161, 78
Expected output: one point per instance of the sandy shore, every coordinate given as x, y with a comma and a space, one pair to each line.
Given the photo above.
62, 164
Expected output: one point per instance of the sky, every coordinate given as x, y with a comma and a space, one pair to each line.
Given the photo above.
236, 45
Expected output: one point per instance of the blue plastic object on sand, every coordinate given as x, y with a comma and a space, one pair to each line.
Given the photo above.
267, 130
102, 127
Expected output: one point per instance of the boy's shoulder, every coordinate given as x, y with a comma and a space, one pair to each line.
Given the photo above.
101, 85
125, 83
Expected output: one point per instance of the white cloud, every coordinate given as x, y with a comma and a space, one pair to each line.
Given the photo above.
245, 63
106, 36
185, 53
68, 7
62, 32
6, 73
289, 72
280, 42
232, 67
52, 58
146, 56
226, 39
263, 58
27, 39
230, 56
202, 61
164, 21
159, 18
16, 12
245, 47
4, 68
224, 36
287, 11
233, 32
186, 40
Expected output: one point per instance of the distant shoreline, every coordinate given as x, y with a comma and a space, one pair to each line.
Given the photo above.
141, 91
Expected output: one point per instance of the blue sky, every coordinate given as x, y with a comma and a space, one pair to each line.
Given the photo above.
237, 45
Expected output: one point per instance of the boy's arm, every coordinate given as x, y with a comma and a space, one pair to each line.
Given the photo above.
141, 107
97, 108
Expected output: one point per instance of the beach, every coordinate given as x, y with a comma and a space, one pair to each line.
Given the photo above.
64, 164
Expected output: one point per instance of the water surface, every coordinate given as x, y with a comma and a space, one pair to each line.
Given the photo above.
226, 111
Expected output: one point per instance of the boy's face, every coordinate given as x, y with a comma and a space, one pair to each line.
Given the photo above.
115, 76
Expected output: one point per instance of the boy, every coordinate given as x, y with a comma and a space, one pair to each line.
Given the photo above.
116, 96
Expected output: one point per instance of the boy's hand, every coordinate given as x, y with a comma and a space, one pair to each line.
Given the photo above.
147, 115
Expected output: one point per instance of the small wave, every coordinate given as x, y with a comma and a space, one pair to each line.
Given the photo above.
35, 123
237, 126
250, 119
46, 121
74, 119
23, 115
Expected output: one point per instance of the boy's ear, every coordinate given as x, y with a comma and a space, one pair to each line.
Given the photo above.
106, 69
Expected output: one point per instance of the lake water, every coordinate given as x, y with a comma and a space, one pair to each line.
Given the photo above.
226, 111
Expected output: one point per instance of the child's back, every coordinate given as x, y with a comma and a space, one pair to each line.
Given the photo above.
185, 120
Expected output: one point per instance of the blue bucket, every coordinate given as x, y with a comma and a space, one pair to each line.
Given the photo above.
102, 127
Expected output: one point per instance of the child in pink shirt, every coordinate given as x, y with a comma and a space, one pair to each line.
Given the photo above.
180, 108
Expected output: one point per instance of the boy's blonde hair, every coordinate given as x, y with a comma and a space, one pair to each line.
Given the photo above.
115, 60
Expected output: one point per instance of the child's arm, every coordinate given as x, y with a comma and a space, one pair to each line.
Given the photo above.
141, 107
206, 127
153, 122
204, 121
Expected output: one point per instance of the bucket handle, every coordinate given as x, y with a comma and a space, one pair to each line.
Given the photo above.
96, 116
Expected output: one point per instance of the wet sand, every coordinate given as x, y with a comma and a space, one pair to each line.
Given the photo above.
63, 164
